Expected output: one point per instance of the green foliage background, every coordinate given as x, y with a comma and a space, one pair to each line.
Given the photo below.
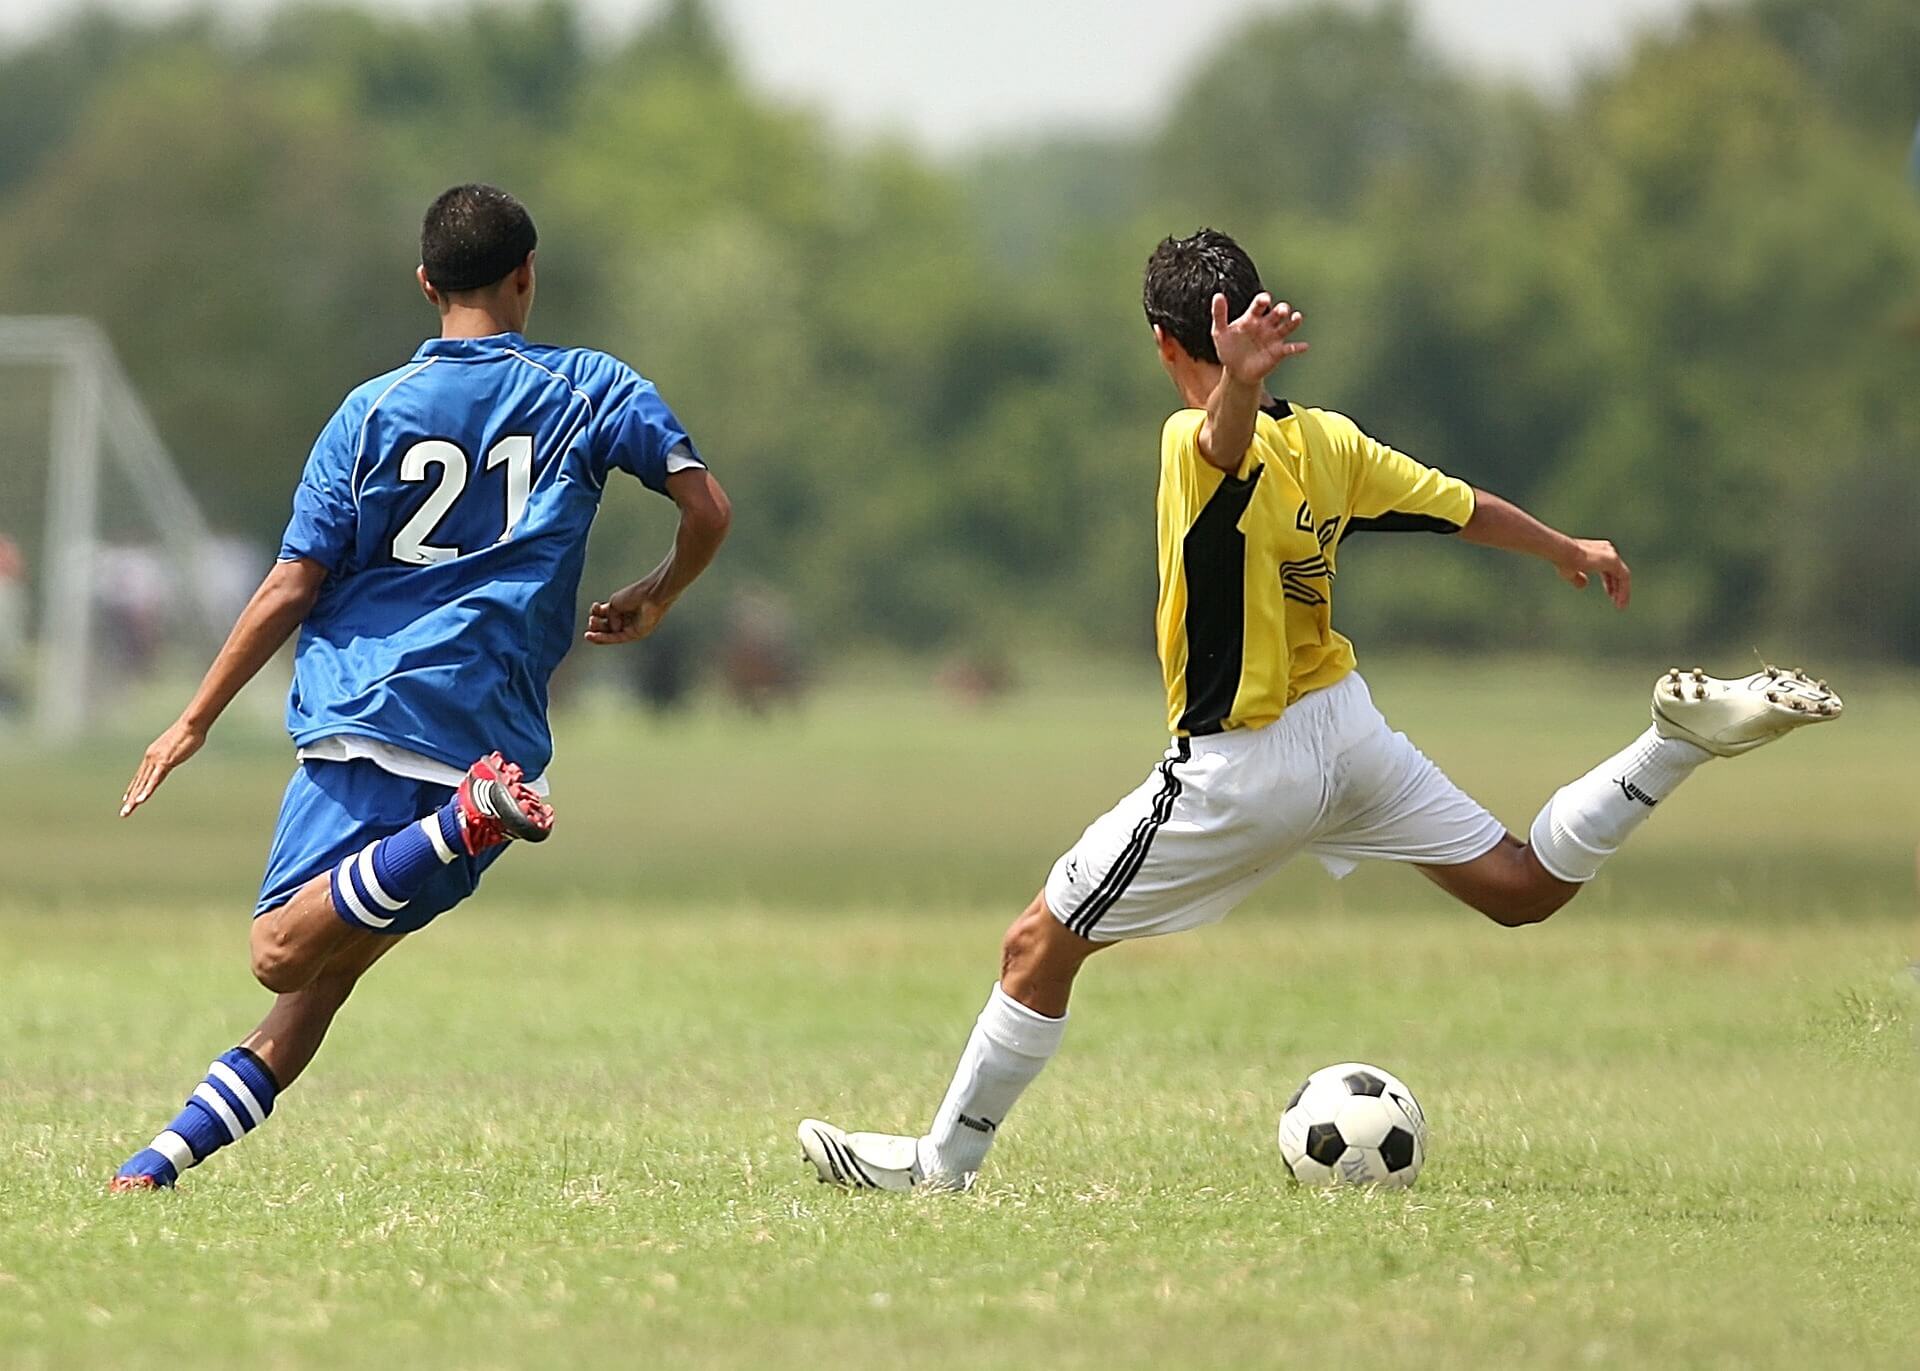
1678, 307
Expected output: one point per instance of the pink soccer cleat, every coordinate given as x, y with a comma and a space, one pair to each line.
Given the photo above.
497, 807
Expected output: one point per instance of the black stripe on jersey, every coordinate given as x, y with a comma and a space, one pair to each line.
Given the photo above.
1134, 855
1214, 558
1400, 523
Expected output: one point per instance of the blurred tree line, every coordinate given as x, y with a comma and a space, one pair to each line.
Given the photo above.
1678, 307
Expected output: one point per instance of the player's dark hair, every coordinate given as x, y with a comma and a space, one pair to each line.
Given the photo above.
474, 236
1183, 276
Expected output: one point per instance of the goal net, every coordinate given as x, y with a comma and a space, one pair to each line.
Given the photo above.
107, 565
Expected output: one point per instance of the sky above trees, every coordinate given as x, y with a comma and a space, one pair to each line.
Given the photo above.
956, 74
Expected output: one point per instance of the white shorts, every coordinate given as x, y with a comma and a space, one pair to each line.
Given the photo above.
1220, 814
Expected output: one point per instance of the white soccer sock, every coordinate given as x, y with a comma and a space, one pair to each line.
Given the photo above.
1009, 1045
1586, 821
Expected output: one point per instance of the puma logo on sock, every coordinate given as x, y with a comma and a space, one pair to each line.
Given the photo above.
1634, 792
979, 1125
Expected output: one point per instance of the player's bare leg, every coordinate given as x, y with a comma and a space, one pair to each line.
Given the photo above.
1015, 1036
1039, 959
293, 944
288, 1037
1508, 885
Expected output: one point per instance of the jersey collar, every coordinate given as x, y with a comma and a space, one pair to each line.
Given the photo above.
469, 349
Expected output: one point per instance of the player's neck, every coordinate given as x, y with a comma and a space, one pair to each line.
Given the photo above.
474, 321
1196, 382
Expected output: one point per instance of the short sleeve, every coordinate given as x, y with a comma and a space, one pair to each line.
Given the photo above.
1187, 480
1388, 490
324, 520
640, 435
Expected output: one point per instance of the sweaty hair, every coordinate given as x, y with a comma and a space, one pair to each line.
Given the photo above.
1183, 276
473, 236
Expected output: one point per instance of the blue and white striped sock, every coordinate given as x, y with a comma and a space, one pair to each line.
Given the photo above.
234, 1099
371, 887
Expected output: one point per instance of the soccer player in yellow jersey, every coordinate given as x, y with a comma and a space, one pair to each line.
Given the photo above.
1277, 748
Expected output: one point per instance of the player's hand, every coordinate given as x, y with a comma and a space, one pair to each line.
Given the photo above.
169, 750
1254, 344
1590, 557
628, 615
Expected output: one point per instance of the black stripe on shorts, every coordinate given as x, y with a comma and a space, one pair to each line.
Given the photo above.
1134, 855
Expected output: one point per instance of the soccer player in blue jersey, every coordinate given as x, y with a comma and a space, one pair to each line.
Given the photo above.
431, 566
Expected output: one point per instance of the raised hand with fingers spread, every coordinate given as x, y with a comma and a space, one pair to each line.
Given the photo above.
1251, 346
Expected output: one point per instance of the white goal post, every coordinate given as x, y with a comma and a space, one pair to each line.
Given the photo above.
97, 416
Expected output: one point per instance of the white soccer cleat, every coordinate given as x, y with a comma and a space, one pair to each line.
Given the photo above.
1730, 717
860, 1161
869, 1161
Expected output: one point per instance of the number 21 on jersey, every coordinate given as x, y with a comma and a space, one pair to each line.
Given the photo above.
413, 543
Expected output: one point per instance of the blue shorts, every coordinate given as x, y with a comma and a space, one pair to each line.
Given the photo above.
333, 809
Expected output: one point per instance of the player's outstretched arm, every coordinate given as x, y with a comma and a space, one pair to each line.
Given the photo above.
630, 614
284, 599
1249, 347
1503, 524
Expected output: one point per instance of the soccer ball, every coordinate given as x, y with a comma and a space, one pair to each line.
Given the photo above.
1353, 1124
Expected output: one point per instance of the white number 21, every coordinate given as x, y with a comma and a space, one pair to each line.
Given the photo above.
410, 544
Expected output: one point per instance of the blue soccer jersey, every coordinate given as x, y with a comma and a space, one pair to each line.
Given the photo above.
449, 502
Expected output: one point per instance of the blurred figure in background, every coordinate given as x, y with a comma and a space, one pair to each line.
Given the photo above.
228, 568
760, 656
662, 673
13, 625
978, 677
133, 587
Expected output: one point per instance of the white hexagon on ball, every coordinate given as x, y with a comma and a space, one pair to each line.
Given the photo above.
1353, 1124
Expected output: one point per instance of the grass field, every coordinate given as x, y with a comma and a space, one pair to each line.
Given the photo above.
1677, 1126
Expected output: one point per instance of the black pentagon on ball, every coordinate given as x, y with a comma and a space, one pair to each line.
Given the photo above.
1365, 1083
1324, 1143
1396, 1149
1295, 1098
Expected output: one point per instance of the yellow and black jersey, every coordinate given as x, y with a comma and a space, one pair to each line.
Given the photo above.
1245, 623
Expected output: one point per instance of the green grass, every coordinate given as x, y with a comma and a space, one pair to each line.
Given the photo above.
1677, 1126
